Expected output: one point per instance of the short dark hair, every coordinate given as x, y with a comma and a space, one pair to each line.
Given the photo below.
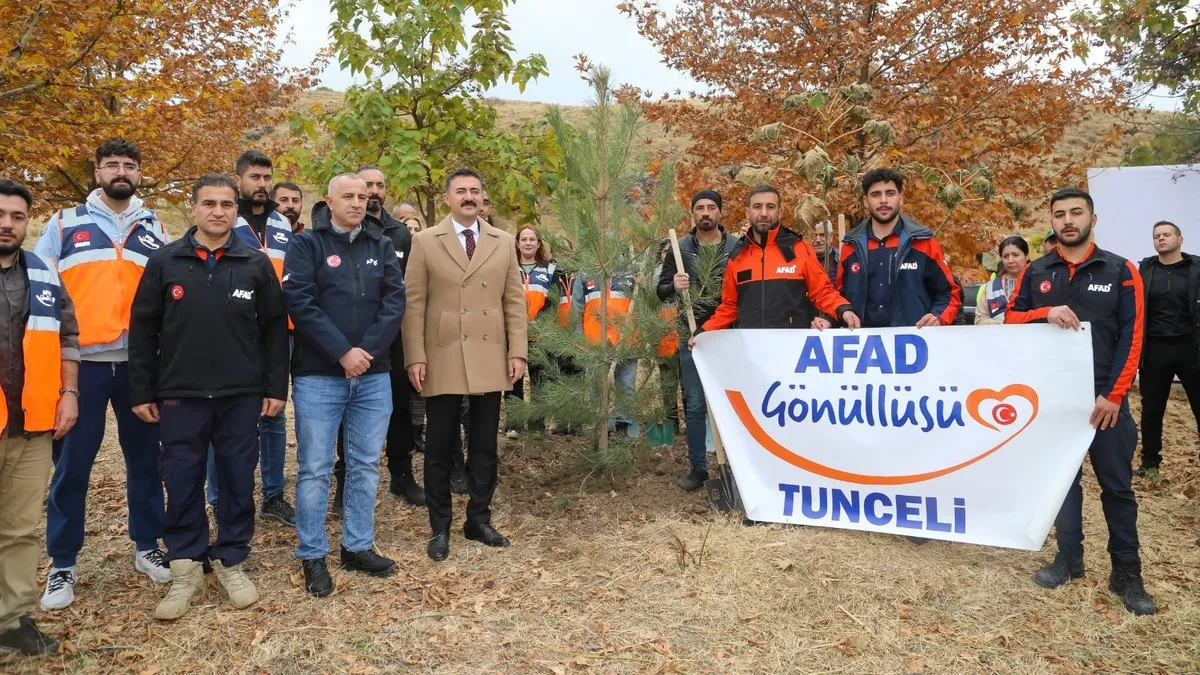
214, 180
460, 173
763, 188
14, 189
884, 174
286, 185
118, 147
1015, 240
251, 158
369, 167
1072, 193
1168, 223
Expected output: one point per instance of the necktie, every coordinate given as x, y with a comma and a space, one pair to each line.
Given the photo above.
470, 237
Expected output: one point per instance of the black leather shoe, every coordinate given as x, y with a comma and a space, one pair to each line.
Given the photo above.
458, 480
406, 486
439, 546
1126, 582
368, 562
485, 534
693, 481
317, 581
27, 639
1064, 568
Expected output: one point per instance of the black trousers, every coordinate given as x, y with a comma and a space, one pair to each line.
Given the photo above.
1111, 453
1165, 359
187, 426
399, 434
442, 423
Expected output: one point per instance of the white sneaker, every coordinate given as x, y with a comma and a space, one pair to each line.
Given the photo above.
153, 564
60, 589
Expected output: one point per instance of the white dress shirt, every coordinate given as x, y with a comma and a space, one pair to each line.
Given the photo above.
462, 238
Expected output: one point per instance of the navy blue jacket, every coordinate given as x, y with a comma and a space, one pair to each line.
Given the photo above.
919, 279
342, 295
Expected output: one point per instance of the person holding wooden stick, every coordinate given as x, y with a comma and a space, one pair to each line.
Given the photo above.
705, 252
773, 279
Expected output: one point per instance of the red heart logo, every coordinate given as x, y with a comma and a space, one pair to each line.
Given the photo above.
1002, 414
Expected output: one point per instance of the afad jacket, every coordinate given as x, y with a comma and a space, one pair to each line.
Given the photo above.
920, 281
779, 284
200, 333
342, 294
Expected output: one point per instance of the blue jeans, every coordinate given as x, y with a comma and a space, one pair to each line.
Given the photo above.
624, 394
272, 446
362, 406
695, 410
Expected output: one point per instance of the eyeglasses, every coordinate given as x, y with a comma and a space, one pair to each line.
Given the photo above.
113, 167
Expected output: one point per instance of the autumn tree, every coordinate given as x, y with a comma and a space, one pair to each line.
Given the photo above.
611, 214
420, 112
957, 93
174, 76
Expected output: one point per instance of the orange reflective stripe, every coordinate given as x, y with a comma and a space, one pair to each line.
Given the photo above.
43, 379
669, 345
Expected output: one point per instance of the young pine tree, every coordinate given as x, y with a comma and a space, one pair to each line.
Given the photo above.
611, 214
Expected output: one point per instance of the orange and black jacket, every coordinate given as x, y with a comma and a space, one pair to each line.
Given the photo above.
774, 285
1104, 289
918, 280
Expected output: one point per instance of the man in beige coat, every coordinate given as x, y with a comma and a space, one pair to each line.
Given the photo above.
464, 335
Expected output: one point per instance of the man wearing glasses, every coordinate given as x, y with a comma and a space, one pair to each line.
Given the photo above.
100, 249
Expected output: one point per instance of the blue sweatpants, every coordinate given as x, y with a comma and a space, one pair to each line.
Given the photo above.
102, 383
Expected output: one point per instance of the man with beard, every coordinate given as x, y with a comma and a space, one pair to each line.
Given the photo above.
260, 226
290, 203
892, 269
1074, 283
1172, 284
100, 249
708, 245
826, 252
345, 292
399, 435
773, 279
39, 368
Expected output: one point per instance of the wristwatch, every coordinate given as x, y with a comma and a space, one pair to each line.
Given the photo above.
64, 390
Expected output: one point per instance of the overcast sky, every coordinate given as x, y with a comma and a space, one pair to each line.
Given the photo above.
556, 29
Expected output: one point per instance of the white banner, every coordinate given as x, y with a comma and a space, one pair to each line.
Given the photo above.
963, 433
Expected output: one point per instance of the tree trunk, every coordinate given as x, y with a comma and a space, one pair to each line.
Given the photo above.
602, 439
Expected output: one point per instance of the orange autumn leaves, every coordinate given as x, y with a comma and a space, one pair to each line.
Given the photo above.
181, 79
962, 85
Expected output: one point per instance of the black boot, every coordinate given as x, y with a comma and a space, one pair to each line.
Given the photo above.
1126, 582
27, 639
693, 481
1066, 566
317, 581
404, 484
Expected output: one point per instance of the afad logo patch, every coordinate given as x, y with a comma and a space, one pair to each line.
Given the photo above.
1008, 411
177, 292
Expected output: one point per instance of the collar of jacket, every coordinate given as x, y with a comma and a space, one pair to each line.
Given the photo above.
1153, 260
246, 208
909, 229
182, 247
322, 220
779, 236
1094, 253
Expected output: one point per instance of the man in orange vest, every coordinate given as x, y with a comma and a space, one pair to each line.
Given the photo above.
39, 363
261, 226
100, 249
585, 299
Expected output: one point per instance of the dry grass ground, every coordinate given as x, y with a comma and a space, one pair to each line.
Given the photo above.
630, 575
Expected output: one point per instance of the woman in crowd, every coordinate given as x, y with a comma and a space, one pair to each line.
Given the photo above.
545, 290
994, 298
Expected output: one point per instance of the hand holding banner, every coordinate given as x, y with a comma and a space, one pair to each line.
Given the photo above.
967, 434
